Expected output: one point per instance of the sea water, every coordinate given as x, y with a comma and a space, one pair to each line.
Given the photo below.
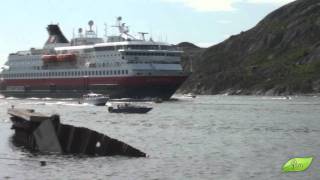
208, 137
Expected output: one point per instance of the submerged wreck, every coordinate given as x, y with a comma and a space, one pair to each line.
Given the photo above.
45, 134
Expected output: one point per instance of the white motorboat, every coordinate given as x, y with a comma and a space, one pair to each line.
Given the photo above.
95, 99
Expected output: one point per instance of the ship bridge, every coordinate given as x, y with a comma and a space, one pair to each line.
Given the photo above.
89, 37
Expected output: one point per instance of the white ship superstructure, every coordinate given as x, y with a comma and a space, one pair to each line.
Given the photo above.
121, 66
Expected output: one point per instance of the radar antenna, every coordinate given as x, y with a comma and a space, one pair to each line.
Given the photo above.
90, 23
80, 32
90, 33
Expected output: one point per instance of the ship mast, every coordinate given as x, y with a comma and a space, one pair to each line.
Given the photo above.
142, 34
105, 31
123, 29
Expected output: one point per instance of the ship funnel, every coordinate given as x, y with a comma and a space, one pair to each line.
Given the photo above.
55, 35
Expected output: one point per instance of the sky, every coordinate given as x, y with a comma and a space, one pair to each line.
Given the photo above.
202, 22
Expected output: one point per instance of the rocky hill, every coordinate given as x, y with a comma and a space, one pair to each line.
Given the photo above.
280, 56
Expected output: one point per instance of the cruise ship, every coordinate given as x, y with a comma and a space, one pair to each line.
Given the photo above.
120, 66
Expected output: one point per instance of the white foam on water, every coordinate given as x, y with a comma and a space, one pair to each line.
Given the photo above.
77, 104
33, 98
34, 103
55, 103
67, 99
46, 98
11, 98
278, 98
3, 103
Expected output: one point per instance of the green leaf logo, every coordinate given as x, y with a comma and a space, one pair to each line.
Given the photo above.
297, 164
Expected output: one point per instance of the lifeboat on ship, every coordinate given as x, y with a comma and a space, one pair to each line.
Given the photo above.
47, 58
66, 57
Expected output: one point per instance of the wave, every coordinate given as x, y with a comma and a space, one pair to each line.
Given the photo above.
35, 103
3, 103
77, 104
46, 98
33, 98
11, 98
278, 98
67, 99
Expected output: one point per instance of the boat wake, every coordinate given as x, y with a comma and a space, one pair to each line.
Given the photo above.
278, 98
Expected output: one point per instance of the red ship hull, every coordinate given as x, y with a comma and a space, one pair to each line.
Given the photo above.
116, 87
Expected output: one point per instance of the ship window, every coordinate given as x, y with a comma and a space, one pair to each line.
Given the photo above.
87, 50
126, 71
119, 72
114, 72
164, 47
104, 48
110, 72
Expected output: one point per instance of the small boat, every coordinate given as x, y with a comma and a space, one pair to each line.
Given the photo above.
48, 58
129, 108
190, 95
66, 57
95, 99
